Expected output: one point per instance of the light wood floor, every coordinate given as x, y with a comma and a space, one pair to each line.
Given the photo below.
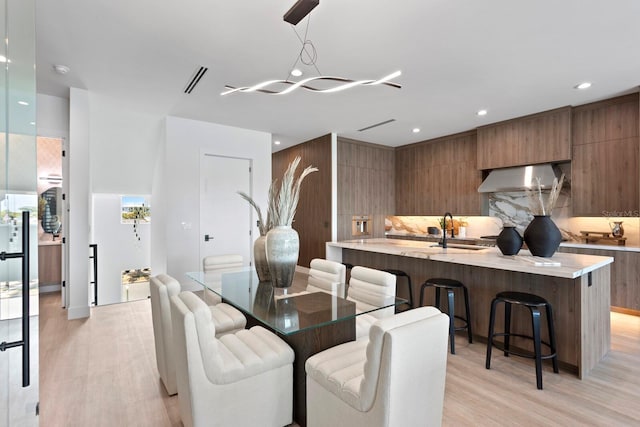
102, 372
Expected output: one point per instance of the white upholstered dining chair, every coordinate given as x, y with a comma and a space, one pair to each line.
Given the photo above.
241, 379
327, 276
213, 266
370, 289
162, 287
394, 378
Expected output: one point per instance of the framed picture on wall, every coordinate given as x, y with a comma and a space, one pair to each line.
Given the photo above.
135, 210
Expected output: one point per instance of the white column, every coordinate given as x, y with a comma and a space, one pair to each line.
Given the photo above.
77, 245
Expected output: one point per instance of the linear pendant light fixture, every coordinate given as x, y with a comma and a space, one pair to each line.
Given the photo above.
282, 87
299, 10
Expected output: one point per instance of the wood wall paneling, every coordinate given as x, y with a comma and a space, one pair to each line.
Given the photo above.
366, 185
313, 215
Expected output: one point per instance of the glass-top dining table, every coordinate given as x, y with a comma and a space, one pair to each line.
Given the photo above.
308, 321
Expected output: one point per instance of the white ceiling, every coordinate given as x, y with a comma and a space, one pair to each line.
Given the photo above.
457, 56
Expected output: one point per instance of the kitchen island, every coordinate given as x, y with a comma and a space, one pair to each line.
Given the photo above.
577, 287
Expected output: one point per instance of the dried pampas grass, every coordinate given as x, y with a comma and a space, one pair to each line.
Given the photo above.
283, 204
537, 205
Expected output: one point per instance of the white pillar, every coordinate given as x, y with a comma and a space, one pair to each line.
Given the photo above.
79, 200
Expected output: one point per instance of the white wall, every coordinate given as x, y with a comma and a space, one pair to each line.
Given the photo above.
123, 147
118, 248
180, 187
52, 116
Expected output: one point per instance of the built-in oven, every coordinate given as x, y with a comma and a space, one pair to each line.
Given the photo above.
360, 226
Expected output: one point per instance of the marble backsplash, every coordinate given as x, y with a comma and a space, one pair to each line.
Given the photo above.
513, 208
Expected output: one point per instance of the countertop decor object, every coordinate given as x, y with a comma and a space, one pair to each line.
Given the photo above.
616, 228
259, 246
509, 241
542, 236
282, 241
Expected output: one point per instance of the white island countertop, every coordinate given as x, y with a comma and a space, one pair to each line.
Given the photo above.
564, 265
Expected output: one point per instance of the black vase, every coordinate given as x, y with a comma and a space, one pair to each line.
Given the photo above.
509, 240
542, 236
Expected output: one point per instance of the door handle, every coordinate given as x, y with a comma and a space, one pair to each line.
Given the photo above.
207, 237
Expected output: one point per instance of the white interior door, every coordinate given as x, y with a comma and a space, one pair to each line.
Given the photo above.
225, 218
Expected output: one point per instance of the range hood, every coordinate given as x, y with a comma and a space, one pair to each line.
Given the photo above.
520, 178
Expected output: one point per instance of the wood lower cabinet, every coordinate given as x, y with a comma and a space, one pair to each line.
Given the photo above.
438, 176
49, 264
606, 158
625, 277
539, 138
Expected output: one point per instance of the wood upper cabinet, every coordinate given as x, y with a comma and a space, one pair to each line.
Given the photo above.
606, 151
538, 138
436, 176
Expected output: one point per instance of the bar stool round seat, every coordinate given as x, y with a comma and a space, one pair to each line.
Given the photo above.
450, 285
534, 303
400, 273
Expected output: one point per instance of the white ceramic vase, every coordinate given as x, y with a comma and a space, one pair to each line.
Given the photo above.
282, 248
260, 259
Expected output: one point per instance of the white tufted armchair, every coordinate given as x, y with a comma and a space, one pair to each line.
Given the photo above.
327, 276
396, 378
242, 379
162, 287
213, 266
369, 289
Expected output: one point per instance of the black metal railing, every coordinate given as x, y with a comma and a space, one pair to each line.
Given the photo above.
94, 282
24, 342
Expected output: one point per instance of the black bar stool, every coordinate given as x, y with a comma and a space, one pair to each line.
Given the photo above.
347, 277
534, 303
450, 285
400, 273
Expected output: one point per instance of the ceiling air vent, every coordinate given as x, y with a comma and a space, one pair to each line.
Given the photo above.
195, 79
376, 125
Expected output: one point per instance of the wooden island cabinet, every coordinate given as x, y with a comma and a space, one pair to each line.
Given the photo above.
578, 289
49, 263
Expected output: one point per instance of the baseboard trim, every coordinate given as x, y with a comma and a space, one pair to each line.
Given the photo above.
78, 313
49, 288
625, 311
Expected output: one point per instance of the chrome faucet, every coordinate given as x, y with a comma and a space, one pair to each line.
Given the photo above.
444, 230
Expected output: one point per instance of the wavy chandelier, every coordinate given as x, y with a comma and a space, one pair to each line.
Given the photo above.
308, 56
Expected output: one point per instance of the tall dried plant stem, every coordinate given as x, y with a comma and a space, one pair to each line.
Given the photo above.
286, 201
262, 226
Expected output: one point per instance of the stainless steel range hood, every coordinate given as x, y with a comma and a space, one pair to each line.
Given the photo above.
520, 178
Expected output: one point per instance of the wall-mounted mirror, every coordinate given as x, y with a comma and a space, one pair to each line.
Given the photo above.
50, 209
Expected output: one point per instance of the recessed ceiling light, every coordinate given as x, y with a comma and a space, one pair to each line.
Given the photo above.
32, 123
25, 103
482, 112
584, 85
61, 69
296, 72
276, 142
416, 130
4, 58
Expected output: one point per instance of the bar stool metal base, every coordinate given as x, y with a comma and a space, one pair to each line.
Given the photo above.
534, 303
450, 285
